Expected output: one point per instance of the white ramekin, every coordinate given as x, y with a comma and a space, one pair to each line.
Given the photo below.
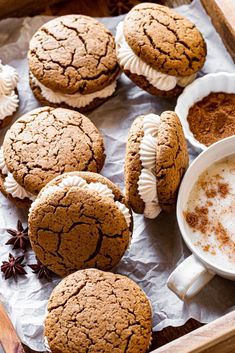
196, 91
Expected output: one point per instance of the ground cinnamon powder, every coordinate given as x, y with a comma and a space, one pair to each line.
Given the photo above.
213, 118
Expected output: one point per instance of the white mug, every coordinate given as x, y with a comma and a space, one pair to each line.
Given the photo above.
197, 270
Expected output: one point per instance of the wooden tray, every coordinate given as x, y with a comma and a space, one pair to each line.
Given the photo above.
216, 337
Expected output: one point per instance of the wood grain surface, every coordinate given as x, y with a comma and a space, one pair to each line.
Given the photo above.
222, 13
101, 8
216, 337
8, 336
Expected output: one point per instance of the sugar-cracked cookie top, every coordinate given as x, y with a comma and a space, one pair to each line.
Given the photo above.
165, 40
95, 311
48, 142
75, 227
73, 53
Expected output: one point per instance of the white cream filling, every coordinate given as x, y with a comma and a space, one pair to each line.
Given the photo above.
10, 184
128, 60
75, 180
9, 100
147, 183
76, 100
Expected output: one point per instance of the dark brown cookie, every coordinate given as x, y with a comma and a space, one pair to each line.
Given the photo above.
73, 225
49, 141
165, 40
73, 53
133, 166
171, 159
95, 311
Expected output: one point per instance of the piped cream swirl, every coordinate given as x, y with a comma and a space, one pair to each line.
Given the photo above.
129, 61
8, 79
76, 100
147, 183
15, 189
9, 100
10, 184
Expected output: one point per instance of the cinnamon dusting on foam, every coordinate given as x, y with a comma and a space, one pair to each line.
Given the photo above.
210, 211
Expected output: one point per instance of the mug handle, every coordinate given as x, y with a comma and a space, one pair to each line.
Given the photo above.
189, 278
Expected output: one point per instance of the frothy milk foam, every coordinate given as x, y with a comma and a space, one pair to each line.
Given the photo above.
210, 213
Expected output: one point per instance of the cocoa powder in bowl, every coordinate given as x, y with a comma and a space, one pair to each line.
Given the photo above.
213, 118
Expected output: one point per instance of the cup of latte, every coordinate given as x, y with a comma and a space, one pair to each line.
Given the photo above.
206, 214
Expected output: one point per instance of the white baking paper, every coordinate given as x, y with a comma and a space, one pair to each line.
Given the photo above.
156, 248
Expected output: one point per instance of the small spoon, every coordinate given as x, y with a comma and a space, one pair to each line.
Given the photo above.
8, 337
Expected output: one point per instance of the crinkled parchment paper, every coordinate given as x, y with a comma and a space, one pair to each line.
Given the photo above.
157, 247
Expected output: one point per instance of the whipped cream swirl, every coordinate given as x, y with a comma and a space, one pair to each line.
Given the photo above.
75, 180
128, 60
147, 183
76, 100
9, 100
10, 184
15, 189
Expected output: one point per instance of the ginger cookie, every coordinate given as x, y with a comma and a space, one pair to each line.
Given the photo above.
156, 159
96, 311
73, 63
9, 100
159, 50
79, 220
43, 144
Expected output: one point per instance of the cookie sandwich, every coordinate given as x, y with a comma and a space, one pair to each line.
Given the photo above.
9, 100
159, 50
73, 64
42, 144
79, 220
156, 159
96, 311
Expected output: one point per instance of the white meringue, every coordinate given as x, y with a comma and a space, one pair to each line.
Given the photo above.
15, 189
3, 165
101, 189
151, 124
76, 100
125, 211
8, 105
147, 151
128, 60
147, 185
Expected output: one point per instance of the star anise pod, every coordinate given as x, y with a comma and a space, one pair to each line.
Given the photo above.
19, 239
13, 267
41, 270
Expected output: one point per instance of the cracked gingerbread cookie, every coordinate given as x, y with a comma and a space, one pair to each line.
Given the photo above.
95, 311
44, 143
80, 220
156, 159
73, 63
159, 50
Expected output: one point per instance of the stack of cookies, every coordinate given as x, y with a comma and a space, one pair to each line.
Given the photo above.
73, 63
80, 223
159, 50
